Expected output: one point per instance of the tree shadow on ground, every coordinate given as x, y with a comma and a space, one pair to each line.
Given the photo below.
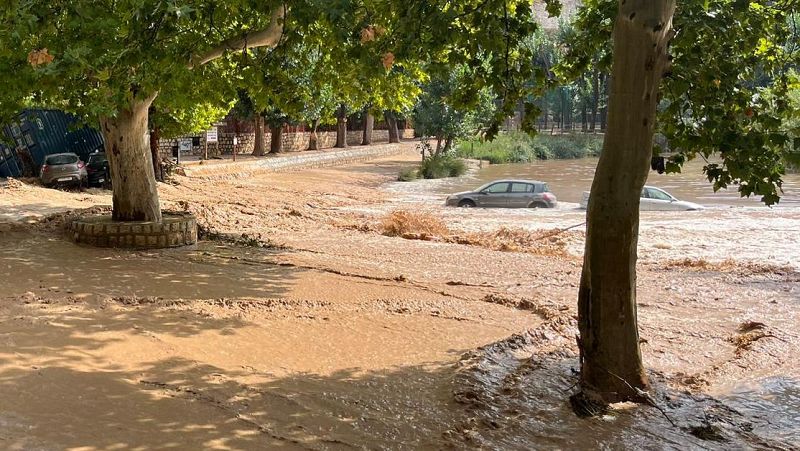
30, 262
64, 388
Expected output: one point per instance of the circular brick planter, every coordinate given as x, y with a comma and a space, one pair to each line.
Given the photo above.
176, 229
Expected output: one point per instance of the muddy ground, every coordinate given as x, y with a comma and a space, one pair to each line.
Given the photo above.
297, 323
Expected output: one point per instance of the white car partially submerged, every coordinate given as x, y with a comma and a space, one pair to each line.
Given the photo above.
655, 199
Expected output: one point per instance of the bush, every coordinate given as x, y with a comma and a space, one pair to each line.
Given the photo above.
408, 175
441, 166
409, 224
517, 147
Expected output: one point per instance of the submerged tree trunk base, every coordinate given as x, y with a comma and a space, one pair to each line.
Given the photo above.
135, 195
611, 361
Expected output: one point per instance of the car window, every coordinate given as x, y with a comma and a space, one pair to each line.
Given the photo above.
658, 194
521, 188
96, 159
497, 188
56, 160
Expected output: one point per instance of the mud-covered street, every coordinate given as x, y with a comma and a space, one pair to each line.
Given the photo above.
299, 322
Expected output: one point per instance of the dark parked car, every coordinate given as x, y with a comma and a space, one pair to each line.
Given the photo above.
97, 167
506, 194
63, 169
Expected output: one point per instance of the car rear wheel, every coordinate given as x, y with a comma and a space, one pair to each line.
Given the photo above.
466, 203
537, 205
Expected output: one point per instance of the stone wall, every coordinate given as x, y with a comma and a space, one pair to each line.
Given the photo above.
292, 142
294, 161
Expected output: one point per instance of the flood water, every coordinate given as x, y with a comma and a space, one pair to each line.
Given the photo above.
568, 179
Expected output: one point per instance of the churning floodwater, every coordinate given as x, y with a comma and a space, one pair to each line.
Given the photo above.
568, 179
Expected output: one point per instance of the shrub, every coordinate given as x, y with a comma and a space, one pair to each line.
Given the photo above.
408, 175
441, 166
517, 147
409, 224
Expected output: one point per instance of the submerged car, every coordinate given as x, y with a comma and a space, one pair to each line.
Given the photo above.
63, 169
506, 194
97, 168
655, 199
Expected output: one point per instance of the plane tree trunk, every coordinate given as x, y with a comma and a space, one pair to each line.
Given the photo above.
369, 124
258, 147
341, 127
276, 139
135, 195
611, 362
313, 137
155, 136
391, 122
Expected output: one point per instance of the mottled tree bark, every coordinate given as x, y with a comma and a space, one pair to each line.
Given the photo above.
611, 361
135, 195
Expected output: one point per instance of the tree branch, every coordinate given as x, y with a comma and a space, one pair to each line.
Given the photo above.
268, 37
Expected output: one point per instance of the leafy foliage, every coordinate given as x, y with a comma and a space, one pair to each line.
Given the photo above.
436, 113
520, 147
441, 166
726, 94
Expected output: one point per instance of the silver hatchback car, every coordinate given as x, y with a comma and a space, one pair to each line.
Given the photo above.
506, 194
63, 169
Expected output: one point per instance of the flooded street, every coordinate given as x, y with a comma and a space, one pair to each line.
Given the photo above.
568, 179
298, 323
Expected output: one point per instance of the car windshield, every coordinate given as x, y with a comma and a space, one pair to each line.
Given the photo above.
56, 160
658, 194
95, 159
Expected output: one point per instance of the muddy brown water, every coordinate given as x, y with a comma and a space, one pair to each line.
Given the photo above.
568, 179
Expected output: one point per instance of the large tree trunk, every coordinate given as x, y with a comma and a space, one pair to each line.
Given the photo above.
313, 138
133, 179
369, 124
155, 135
341, 128
258, 147
276, 139
391, 122
448, 144
611, 361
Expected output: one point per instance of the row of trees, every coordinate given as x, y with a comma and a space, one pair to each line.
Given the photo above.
117, 62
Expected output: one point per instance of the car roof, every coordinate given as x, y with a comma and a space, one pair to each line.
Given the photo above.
516, 181
62, 154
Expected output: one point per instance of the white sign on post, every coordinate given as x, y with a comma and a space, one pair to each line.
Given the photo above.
211, 135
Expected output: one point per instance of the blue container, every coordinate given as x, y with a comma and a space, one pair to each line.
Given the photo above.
8, 162
39, 133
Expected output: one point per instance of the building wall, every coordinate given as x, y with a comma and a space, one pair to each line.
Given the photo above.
292, 141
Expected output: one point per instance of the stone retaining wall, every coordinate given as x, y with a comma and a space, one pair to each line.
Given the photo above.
296, 161
292, 141
176, 229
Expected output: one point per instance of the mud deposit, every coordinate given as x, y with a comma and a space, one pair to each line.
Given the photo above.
300, 323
